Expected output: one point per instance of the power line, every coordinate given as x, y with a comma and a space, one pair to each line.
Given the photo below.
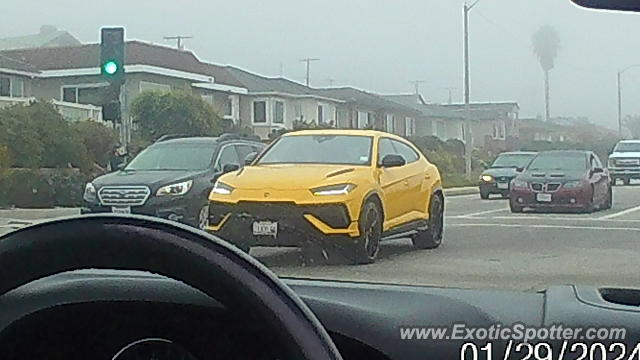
179, 39
308, 62
416, 85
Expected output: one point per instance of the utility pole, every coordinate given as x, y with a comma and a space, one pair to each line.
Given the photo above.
416, 85
619, 106
620, 72
468, 148
179, 39
308, 61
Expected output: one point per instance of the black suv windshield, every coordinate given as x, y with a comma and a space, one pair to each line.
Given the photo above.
560, 161
174, 157
320, 149
512, 161
627, 147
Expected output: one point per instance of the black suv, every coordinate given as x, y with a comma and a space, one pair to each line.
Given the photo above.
170, 179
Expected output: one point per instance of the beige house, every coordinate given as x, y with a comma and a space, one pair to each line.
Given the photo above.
71, 75
272, 104
433, 119
361, 109
495, 125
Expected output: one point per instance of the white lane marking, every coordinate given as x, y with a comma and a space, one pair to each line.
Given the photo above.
539, 226
453, 197
620, 213
548, 218
482, 213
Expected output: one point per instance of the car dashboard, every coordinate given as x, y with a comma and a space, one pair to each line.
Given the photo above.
96, 314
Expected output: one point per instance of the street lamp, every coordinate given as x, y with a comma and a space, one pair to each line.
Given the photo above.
467, 108
620, 72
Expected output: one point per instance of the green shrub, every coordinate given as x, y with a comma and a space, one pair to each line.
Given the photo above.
42, 188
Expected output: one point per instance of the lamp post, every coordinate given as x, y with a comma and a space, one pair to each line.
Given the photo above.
620, 72
467, 108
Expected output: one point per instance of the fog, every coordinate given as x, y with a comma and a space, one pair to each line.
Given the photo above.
382, 45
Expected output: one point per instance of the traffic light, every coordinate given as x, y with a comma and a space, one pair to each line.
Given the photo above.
112, 55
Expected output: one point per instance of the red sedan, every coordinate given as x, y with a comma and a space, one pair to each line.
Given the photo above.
570, 180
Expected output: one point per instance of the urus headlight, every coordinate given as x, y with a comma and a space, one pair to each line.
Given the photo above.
176, 189
221, 188
340, 189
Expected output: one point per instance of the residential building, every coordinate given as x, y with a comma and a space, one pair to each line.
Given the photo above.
49, 36
17, 87
272, 104
361, 109
433, 119
71, 74
494, 125
532, 130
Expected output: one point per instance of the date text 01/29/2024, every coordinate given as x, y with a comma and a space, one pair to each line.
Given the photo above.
566, 350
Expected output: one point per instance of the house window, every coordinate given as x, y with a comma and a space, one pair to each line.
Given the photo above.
278, 112
299, 115
320, 114
389, 123
228, 107
70, 94
260, 112
409, 126
17, 88
5, 86
363, 119
150, 86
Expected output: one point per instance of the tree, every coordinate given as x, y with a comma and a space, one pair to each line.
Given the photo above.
546, 45
36, 135
161, 113
632, 122
98, 140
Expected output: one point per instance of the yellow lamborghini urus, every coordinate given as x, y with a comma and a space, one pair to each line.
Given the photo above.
337, 191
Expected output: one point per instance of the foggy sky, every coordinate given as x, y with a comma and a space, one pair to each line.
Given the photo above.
382, 45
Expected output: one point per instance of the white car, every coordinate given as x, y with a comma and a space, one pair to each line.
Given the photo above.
624, 161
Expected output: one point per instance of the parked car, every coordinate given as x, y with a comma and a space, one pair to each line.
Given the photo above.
170, 179
341, 191
496, 179
624, 161
562, 179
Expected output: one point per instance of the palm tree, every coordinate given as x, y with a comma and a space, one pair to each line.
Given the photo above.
546, 45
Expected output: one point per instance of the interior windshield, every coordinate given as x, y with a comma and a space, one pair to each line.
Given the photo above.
337, 140
559, 162
173, 157
319, 149
512, 161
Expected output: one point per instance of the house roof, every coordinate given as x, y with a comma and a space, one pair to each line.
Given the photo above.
357, 96
48, 36
17, 65
136, 53
487, 110
417, 102
540, 125
261, 84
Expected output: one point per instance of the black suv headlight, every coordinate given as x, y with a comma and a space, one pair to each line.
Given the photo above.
176, 189
90, 194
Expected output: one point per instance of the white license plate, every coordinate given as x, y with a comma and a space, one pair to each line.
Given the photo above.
121, 209
543, 197
503, 185
267, 228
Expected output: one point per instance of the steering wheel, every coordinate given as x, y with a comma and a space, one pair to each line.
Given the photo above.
176, 251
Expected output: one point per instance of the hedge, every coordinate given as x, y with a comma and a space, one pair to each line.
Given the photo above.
41, 188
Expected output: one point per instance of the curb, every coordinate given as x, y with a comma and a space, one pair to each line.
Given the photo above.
467, 190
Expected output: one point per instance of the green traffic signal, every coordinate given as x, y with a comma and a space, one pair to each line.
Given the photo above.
110, 67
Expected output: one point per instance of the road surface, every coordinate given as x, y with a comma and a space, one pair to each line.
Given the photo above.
485, 246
